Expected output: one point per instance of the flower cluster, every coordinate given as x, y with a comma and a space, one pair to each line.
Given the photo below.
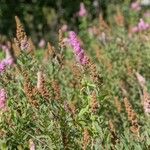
3, 98
136, 6
142, 26
79, 52
5, 63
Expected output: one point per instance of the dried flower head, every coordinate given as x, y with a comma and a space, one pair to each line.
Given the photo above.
146, 102
29, 90
20, 33
77, 76
70, 107
118, 104
86, 139
15, 48
41, 87
94, 103
31, 47
141, 80
132, 117
21, 40
64, 139
56, 90
103, 25
61, 41
123, 87
49, 53
114, 138
92, 69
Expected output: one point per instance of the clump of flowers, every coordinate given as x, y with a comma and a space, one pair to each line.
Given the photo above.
3, 97
79, 52
5, 63
135, 6
142, 26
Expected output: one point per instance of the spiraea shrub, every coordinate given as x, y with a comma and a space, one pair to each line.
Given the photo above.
90, 91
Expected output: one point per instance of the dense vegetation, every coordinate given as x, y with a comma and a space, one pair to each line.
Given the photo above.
89, 91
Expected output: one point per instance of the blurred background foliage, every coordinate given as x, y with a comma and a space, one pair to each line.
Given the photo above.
43, 18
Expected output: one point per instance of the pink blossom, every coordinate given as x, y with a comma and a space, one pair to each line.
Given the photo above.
79, 52
42, 43
136, 6
142, 25
5, 63
82, 12
2, 66
3, 97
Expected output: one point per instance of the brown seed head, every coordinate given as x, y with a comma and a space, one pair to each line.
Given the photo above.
21, 39
86, 139
20, 33
132, 117
56, 90
91, 68
146, 102
118, 104
29, 90
41, 87
114, 138
61, 42
31, 48
94, 103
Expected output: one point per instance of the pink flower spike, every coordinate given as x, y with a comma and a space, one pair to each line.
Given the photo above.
82, 12
142, 25
3, 97
78, 51
2, 66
